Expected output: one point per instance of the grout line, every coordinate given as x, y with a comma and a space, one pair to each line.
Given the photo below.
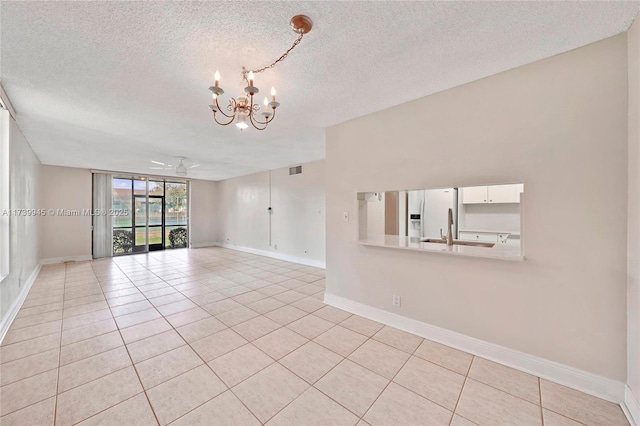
197, 354
36, 337
30, 405
121, 402
394, 376
462, 388
566, 416
55, 407
225, 265
132, 364
540, 400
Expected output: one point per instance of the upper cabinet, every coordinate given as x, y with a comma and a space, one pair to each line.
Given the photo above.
492, 194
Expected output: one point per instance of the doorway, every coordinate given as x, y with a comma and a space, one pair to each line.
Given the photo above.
156, 215
148, 223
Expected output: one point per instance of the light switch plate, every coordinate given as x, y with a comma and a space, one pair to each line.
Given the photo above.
345, 216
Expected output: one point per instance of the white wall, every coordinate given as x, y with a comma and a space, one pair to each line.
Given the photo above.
375, 215
242, 211
633, 221
559, 126
202, 224
298, 217
296, 226
69, 188
24, 170
64, 236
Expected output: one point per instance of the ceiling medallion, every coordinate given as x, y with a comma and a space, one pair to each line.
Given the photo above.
242, 109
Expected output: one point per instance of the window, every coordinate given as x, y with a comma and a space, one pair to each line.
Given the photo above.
122, 223
176, 215
4, 194
156, 219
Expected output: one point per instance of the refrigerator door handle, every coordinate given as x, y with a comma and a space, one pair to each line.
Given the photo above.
422, 202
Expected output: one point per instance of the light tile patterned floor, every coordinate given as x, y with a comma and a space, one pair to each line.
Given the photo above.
214, 336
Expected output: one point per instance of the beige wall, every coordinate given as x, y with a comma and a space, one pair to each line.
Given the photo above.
296, 226
203, 198
298, 217
243, 219
61, 236
375, 214
633, 240
70, 188
391, 211
24, 170
557, 125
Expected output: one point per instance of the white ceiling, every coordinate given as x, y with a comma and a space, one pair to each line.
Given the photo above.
113, 85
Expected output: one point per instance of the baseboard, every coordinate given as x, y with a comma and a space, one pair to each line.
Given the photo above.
592, 384
8, 318
631, 407
66, 259
202, 245
279, 256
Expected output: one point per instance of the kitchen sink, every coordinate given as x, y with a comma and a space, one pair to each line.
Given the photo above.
458, 242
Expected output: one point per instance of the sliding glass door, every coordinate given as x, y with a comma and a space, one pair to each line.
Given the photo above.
176, 215
157, 215
123, 223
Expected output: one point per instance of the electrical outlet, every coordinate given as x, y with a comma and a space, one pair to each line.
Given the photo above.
345, 216
396, 300
275, 247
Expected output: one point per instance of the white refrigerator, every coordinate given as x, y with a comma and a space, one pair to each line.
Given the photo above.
427, 212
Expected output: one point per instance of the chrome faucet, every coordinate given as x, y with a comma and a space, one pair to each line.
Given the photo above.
449, 237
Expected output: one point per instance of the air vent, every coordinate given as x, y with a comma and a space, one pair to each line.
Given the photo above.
295, 170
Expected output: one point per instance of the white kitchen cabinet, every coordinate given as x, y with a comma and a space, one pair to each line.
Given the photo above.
474, 195
489, 237
485, 237
492, 194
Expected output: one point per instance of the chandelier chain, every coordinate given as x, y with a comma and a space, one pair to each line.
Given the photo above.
242, 109
280, 59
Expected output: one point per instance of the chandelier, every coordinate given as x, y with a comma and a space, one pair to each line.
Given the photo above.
242, 109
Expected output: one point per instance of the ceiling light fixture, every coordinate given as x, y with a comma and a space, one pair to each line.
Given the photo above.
181, 169
242, 108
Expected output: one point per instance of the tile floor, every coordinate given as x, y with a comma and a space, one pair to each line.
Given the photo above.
219, 337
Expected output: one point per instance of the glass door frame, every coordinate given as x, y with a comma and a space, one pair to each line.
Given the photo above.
143, 248
156, 246
146, 248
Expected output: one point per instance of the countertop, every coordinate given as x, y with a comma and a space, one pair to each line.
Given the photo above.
487, 231
499, 251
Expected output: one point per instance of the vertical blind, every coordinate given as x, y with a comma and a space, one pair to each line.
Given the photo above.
102, 225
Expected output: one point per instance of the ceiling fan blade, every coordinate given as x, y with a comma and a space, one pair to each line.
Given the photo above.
156, 168
195, 165
158, 163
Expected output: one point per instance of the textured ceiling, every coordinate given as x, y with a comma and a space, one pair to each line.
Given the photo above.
113, 85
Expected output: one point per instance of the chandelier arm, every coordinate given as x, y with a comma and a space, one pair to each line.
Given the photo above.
280, 59
231, 107
269, 120
254, 121
223, 124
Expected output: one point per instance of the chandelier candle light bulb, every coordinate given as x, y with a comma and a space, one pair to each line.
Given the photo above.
242, 107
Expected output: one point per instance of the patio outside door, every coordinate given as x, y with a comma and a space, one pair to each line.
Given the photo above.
156, 216
148, 220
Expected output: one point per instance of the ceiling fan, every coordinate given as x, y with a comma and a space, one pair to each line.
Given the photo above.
181, 169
